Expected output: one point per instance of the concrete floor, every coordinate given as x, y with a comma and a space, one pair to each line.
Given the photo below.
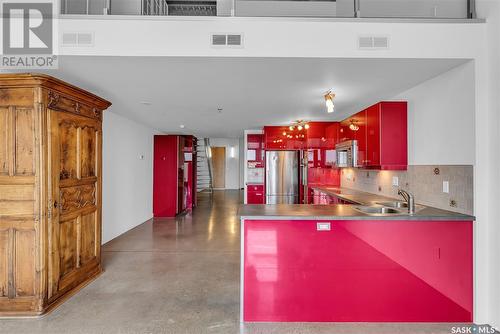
177, 276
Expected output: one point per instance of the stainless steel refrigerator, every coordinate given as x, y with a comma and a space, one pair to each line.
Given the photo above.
282, 177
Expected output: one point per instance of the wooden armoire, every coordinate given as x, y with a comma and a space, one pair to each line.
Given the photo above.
50, 191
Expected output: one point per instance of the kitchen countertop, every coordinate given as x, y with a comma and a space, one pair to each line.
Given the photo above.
342, 211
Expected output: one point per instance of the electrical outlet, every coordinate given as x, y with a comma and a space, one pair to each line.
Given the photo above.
453, 203
395, 181
446, 187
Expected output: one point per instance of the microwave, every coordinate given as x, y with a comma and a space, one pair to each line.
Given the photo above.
347, 153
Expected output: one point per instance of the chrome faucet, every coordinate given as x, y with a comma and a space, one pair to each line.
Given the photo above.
410, 200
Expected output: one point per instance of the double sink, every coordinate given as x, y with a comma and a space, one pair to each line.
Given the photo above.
390, 208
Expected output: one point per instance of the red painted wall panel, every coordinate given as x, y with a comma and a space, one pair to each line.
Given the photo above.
396, 271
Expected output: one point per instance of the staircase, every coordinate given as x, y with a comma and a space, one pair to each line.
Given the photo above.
204, 166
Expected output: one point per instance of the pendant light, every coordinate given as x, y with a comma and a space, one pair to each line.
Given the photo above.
329, 96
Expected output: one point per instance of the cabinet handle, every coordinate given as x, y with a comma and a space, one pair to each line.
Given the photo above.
323, 226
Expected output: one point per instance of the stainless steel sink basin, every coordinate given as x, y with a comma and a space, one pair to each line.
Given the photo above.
399, 205
379, 210
394, 204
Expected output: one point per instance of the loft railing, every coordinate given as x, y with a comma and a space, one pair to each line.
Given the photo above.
458, 9
154, 7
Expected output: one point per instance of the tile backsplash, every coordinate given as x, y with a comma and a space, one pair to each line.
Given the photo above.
424, 181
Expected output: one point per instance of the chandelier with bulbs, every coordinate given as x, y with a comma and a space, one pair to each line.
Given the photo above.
353, 126
296, 129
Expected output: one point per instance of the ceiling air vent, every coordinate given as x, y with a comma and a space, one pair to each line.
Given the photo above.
233, 39
373, 42
218, 39
227, 40
77, 39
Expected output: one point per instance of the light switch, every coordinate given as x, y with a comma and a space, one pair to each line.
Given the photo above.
141, 157
446, 187
395, 181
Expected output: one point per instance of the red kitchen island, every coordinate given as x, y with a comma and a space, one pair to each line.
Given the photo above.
332, 263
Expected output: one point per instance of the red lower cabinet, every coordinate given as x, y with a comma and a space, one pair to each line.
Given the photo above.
255, 194
366, 271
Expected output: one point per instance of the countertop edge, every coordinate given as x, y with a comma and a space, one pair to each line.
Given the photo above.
373, 218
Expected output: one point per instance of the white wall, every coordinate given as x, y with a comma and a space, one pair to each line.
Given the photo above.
242, 162
127, 180
272, 37
232, 163
441, 119
489, 249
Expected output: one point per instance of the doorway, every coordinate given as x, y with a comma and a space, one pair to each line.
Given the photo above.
219, 166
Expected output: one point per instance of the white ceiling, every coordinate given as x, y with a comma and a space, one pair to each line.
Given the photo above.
252, 91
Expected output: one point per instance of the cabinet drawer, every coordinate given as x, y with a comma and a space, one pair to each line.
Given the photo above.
255, 187
255, 197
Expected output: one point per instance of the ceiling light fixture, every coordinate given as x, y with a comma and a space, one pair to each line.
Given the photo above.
298, 125
329, 96
353, 126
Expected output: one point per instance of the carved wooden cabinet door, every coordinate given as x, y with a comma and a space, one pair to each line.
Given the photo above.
19, 221
75, 223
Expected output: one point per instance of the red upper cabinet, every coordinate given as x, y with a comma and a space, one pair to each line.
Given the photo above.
255, 142
316, 135
381, 132
281, 138
354, 128
373, 135
387, 136
332, 133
